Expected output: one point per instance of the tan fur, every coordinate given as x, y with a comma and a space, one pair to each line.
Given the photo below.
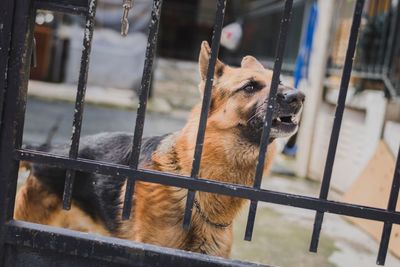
34, 203
157, 210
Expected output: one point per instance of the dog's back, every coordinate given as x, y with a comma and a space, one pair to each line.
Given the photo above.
97, 196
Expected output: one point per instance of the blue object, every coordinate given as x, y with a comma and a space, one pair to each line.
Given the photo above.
303, 58
290, 151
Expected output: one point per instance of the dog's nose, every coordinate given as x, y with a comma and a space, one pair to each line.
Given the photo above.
291, 96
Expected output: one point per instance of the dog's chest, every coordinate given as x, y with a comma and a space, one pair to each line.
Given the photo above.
209, 240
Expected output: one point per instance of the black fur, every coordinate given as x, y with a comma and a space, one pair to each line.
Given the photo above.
149, 146
96, 194
253, 130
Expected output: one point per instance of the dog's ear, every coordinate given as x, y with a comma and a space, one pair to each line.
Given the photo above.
204, 56
250, 62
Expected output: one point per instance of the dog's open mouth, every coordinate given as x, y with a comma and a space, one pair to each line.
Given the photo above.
282, 126
285, 124
284, 120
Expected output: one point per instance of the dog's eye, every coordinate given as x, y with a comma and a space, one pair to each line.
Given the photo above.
250, 87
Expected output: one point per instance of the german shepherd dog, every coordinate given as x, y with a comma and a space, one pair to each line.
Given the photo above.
230, 154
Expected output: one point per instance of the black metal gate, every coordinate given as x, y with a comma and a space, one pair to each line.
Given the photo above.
27, 244
378, 47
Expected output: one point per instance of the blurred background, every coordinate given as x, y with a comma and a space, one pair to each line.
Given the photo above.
313, 62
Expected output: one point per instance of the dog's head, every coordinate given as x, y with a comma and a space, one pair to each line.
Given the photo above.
239, 99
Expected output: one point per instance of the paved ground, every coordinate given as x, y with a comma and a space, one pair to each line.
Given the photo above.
282, 234
41, 116
174, 88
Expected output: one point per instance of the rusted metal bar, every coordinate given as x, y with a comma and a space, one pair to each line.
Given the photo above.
80, 101
75, 246
16, 73
141, 112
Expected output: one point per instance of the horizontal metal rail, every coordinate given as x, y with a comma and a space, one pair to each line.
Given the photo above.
106, 249
211, 186
390, 87
78, 7
336, 70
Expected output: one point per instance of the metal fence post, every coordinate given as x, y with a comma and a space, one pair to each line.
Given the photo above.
17, 73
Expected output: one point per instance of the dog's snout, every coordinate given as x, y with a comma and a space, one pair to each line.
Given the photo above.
291, 96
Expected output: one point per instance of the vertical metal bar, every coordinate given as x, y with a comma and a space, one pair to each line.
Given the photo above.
344, 84
80, 101
19, 19
390, 53
141, 112
369, 67
284, 29
219, 19
387, 227
383, 43
378, 41
394, 10
6, 12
